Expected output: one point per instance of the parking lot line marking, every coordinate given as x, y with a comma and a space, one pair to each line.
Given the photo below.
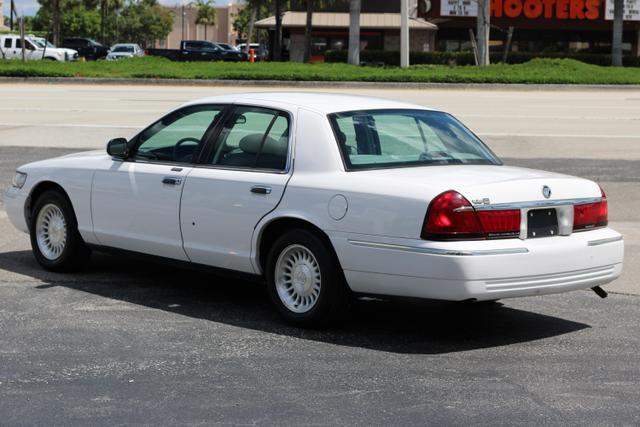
72, 125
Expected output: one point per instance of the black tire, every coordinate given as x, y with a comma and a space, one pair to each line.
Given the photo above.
75, 254
334, 298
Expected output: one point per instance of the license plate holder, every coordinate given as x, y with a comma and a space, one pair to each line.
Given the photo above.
542, 223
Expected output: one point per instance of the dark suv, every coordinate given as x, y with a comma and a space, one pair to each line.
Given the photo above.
87, 48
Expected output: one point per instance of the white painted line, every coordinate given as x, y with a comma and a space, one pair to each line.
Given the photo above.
72, 125
558, 135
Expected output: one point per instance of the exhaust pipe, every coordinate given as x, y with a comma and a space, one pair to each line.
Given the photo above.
599, 291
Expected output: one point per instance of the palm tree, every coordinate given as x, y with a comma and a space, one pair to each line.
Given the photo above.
206, 14
277, 44
55, 21
354, 32
482, 31
307, 32
616, 43
254, 5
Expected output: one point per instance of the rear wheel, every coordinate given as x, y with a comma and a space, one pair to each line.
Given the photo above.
55, 240
305, 280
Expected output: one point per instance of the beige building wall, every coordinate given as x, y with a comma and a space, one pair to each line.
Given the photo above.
1, 16
222, 31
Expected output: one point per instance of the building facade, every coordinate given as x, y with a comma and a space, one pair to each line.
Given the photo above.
563, 26
378, 31
2, 26
185, 27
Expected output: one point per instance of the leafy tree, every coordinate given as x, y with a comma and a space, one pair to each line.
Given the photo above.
205, 14
144, 22
75, 19
246, 17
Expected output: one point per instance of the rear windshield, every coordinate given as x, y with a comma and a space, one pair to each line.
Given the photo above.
123, 49
395, 138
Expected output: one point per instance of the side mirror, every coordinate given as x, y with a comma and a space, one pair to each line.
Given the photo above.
118, 147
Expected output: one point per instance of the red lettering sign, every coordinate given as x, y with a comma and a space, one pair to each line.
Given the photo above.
549, 9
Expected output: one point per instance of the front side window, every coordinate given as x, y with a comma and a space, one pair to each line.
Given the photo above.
178, 136
254, 138
395, 138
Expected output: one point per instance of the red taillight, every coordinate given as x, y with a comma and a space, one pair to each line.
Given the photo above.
591, 215
451, 217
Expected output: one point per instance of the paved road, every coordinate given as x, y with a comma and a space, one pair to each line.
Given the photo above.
127, 342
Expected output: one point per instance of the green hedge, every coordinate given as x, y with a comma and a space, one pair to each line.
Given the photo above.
374, 57
541, 70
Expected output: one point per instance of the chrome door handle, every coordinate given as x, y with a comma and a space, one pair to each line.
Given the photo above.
261, 189
172, 180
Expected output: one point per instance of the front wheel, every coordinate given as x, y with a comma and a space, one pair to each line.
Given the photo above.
305, 280
55, 240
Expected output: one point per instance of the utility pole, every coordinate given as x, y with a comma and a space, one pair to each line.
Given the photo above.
404, 33
482, 31
354, 32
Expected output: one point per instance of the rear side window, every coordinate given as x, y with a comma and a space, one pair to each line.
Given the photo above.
7, 43
254, 138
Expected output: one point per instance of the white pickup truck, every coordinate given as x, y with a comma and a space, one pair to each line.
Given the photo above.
35, 48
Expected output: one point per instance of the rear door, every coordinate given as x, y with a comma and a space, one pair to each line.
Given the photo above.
241, 178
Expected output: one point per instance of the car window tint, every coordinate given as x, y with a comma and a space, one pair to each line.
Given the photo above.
395, 137
7, 43
18, 44
254, 138
176, 137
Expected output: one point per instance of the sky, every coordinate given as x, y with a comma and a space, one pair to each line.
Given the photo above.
30, 7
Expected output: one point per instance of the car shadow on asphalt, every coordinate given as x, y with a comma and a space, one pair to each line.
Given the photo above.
415, 327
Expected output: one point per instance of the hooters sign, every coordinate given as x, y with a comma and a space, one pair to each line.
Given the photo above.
527, 9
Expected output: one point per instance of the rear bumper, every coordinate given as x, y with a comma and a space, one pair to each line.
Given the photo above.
482, 270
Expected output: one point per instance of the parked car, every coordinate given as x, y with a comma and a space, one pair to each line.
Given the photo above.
11, 48
321, 197
198, 50
41, 42
87, 48
261, 52
124, 50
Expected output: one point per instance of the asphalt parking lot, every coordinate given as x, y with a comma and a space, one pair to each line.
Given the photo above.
130, 342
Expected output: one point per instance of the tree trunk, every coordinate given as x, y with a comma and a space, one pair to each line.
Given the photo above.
354, 32
277, 43
205, 31
616, 43
55, 21
482, 31
307, 32
103, 18
252, 21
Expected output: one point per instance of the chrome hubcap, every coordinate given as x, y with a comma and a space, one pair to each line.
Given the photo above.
51, 231
298, 279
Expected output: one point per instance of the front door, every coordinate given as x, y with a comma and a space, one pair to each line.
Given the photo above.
241, 180
135, 203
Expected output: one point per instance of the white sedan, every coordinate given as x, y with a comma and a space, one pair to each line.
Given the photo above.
322, 197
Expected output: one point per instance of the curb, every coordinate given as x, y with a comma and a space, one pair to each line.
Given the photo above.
315, 84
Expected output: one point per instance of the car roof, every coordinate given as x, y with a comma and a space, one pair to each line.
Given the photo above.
325, 103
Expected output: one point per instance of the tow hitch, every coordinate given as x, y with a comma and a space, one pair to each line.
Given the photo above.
599, 291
